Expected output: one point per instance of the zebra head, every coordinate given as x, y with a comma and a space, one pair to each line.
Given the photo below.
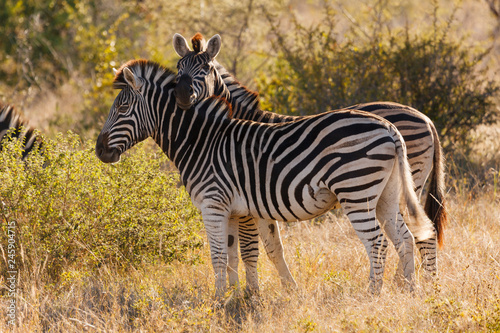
131, 118
196, 75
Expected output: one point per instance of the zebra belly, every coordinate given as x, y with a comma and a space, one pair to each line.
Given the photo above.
318, 202
313, 202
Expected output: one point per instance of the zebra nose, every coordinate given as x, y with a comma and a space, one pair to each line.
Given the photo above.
104, 152
100, 145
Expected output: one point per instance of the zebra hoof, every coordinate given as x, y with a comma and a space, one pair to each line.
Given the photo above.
251, 292
429, 275
375, 287
289, 284
403, 283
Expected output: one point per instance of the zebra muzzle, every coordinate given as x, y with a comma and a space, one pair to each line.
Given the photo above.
184, 92
104, 152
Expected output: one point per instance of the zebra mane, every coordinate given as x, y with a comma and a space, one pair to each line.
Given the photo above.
198, 42
229, 107
146, 69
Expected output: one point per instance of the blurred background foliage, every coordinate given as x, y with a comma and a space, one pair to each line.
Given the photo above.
439, 56
431, 71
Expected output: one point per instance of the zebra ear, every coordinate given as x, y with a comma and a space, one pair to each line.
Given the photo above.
114, 71
181, 45
134, 81
213, 46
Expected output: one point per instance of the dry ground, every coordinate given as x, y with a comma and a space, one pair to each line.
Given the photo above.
331, 269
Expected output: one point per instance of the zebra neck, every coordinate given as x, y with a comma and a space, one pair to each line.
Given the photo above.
185, 136
221, 89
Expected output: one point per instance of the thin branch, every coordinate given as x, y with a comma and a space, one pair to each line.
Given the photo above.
493, 4
354, 22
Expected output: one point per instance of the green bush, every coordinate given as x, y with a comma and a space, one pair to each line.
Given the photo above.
317, 71
77, 213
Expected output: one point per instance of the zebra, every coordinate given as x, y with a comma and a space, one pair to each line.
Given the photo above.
11, 119
199, 75
288, 171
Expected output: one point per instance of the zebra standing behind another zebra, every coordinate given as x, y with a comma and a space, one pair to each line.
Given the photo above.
288, 172
11, 119
200, 75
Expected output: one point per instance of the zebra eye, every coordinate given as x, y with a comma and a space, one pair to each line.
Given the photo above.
123, 108
206, 67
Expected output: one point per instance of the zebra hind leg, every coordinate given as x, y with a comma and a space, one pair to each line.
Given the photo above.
389, 216
363, 219
399, 234
270, 234
428, 252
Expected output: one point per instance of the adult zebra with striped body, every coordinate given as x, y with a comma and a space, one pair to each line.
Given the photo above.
200, 75
11, 119
234, 167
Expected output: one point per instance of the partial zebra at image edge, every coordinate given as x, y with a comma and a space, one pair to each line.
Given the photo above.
12, 120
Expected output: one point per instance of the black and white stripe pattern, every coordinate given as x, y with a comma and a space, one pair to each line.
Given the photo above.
287, 172
424, 150
10, 119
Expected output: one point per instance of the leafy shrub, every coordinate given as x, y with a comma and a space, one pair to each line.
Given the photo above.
79, 213
432, 72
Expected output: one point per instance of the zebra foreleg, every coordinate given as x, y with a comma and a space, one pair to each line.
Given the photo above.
270, 235
363, 219
249, 248
216, 221
232, 252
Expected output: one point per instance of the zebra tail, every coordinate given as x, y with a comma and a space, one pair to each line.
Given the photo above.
419, 224
435, 204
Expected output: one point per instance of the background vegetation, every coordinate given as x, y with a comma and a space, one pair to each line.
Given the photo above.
121, 248
430, 71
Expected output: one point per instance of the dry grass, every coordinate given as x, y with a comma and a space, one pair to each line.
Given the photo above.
331, 269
